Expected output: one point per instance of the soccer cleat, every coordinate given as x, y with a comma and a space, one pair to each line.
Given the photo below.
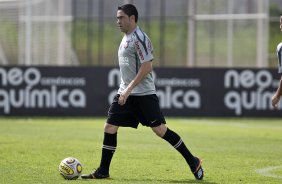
95, 175
197, 169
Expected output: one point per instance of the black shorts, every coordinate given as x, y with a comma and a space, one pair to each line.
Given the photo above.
137, 109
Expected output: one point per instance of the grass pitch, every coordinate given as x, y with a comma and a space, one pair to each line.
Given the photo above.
233, 150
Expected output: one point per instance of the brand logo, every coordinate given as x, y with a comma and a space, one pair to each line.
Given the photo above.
64, 168
248, 90
27, 88
123, 60
126, 44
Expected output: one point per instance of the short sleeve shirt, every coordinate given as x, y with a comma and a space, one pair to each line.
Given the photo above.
135, 49
279, 55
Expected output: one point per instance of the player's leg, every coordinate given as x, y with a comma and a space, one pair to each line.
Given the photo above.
108, 150
118, 116
149, 114
109, 147
175, 140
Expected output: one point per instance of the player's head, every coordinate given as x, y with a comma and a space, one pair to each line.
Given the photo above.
129, 10
127, 17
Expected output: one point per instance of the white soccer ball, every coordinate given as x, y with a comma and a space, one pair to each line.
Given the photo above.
70, 168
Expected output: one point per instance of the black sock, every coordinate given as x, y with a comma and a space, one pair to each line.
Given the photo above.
174, 139
108, 150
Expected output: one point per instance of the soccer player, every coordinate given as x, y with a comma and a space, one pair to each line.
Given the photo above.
276, 97
136, 101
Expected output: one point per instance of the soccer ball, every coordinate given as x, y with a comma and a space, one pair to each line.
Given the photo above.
70, 168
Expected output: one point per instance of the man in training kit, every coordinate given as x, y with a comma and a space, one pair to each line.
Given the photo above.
276, 97
136, 101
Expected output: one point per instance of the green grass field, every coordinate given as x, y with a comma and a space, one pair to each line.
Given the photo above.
233, 150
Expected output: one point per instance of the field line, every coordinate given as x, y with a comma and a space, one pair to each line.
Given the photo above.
267, 171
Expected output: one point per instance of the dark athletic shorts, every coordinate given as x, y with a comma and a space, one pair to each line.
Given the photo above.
137, 109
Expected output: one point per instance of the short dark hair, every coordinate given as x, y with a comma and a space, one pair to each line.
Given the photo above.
129, 9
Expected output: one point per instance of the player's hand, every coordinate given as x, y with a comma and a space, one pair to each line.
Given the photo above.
123, 97
274, 101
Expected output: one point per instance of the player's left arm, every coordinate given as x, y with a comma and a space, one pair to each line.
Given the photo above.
276, 97
143, 71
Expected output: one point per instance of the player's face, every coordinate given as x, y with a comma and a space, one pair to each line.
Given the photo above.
124, 22
281, 23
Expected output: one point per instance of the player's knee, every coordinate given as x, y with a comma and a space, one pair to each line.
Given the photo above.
160, 130
111, 129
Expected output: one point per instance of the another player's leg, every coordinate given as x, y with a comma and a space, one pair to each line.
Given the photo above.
108, 150
175, 140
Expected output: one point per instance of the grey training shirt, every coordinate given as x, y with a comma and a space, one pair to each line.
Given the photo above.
135, 49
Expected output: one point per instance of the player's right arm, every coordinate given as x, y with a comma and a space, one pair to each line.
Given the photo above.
276, 97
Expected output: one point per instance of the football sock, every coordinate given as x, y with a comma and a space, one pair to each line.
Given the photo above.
108, 150
174, 139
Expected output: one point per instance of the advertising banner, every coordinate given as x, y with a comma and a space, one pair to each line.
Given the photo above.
88, 91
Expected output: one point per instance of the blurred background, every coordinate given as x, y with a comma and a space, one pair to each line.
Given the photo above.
184, 33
